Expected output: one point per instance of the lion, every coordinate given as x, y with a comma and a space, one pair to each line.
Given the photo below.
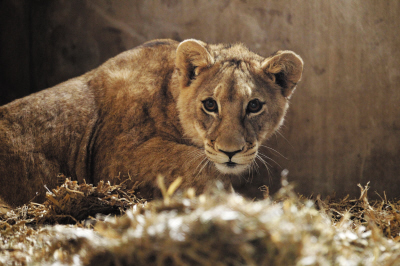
177, 109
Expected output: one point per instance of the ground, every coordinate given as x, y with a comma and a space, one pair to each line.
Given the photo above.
109, 225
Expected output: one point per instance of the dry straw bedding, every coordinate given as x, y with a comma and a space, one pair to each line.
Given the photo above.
80, 224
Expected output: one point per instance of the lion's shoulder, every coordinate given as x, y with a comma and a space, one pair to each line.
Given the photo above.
135, 74
159, 43
145, 55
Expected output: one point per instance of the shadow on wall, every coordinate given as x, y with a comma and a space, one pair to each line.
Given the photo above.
343, 125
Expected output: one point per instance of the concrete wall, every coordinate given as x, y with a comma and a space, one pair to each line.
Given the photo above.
343, 127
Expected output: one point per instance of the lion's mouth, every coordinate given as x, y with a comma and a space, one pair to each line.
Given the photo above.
231, 164
231, 167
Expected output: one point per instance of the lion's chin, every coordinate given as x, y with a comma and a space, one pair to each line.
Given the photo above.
232, 169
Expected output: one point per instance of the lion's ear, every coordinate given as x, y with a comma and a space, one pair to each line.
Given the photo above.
285, 69
191, 58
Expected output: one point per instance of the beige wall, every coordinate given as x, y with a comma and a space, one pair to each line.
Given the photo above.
343, 127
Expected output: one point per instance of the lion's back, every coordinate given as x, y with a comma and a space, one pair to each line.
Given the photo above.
137, 73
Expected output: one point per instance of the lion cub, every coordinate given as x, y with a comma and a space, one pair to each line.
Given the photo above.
188, 109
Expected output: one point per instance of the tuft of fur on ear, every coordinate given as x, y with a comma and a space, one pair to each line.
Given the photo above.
285, 69
191, 58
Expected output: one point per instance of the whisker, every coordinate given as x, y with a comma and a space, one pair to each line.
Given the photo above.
205, 158
192, 154
252, 165
256, 167
207, 161
245, 176
274, 151
266, 166
276, 136
270, 159
242, 176
263, 161
251, 168
194, 157
284, 138
195, 152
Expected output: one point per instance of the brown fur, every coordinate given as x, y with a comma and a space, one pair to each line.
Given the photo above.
142, 114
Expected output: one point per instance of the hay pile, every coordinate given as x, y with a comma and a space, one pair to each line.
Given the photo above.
72, 203
211, 229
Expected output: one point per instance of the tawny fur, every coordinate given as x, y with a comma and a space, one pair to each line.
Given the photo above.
141, 114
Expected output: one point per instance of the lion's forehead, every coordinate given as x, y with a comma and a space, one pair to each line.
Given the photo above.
237, 85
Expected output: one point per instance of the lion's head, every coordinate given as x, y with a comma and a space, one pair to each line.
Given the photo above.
231, 100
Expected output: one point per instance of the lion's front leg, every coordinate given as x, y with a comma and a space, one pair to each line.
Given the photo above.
159, 157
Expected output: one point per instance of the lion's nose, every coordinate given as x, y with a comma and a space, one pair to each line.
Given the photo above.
230, 153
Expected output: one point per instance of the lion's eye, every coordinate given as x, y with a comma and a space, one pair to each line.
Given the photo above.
254, 106
210, 105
